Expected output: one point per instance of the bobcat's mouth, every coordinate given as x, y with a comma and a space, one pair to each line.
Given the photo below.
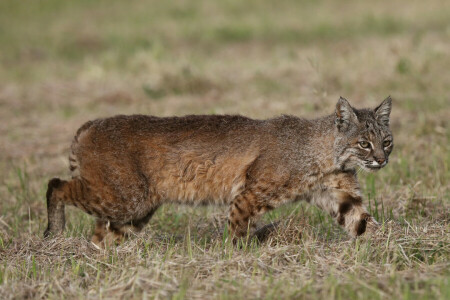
374, 166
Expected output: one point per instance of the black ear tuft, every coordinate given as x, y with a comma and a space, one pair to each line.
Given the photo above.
383, 111
344, 114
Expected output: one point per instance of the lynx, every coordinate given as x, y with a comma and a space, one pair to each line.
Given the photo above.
125, 167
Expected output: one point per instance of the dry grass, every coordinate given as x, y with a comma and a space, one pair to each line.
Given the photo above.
62, 63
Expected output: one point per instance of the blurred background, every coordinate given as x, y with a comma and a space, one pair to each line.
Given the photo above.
65, 62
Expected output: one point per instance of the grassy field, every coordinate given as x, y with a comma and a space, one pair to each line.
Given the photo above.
65, 62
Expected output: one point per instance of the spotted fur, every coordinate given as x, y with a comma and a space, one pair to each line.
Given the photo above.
125, 167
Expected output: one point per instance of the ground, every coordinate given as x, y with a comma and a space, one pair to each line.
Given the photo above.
65, 62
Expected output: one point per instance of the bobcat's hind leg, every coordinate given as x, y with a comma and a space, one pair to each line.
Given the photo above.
61, 193
55, 207
244, 211
107, 233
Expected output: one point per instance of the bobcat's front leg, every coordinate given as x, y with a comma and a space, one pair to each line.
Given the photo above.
343, 201
352, 214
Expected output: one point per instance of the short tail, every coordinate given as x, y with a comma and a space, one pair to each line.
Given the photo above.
74, 163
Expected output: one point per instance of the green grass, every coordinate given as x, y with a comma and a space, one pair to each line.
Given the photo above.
65, 62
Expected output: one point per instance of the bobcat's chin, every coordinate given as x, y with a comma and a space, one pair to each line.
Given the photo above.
372, 166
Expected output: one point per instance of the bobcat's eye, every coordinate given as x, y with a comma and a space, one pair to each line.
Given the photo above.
364, 144
386, 143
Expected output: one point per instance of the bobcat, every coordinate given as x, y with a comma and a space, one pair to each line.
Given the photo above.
125, 167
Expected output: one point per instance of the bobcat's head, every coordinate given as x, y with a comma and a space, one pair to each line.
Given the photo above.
363, 137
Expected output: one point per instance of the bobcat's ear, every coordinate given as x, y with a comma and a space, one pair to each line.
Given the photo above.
344, 114
383, 111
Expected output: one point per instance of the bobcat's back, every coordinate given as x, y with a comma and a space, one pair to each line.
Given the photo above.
193, 159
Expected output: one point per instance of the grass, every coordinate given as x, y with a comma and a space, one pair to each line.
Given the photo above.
65, 62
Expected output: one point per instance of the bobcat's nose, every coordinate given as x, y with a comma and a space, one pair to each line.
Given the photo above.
380, 160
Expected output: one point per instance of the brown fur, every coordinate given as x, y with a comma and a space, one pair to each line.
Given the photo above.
125, 167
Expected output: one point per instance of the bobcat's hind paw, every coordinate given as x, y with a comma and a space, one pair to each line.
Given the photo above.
49, 232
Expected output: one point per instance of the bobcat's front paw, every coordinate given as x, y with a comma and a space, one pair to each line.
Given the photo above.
372, 227
366, 226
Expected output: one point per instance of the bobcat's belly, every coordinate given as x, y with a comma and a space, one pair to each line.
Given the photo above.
201, 183
191, 178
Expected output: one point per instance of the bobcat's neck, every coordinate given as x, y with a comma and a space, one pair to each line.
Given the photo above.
323, 135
